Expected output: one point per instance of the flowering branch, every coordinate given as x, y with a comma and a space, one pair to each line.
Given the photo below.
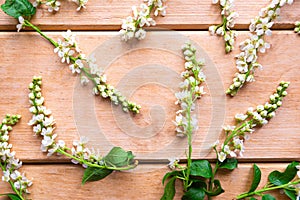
228, 21
132, 26
185, 122
54, 5
44, 124
287, 181
246, 61
9, 164
297, 27
69, 52
235, 135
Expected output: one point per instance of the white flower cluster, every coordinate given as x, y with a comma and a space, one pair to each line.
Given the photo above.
8, 162
43, 124
132, 26
235, 135
297, 27
108, 91
190, 90
42, 121
69, 52
246, 61
224, 29
54, 5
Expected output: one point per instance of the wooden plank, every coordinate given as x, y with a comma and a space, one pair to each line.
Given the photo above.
107, 15
64, 182
152, 134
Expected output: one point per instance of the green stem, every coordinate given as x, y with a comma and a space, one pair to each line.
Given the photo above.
235, 131
189, 136
212, 179
27, 23
258, 192
63, 152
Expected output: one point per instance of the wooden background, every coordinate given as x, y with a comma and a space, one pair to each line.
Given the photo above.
152, 136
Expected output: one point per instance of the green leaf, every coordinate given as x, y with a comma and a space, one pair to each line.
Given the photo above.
11, 196
217, 189
229, 163
278, 178
194, 194
201, 168
169, 191
169, 174
256, 178
290, 194
95, 174
252, 198
268, 197
118, 157
17, 8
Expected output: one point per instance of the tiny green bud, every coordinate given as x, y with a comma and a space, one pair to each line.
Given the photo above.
284, 93
228, 48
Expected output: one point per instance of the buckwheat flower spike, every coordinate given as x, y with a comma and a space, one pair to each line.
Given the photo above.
224, 29
259, 116
297, 27
8, 163
191, 90
132, 26
43, 125
69, 52
54, 5
246, 61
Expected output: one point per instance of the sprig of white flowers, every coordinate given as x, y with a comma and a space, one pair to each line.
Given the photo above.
185, 122
191, 90
246, 61
69, 52
54, 5
44, 124
235, 135
228, 21
8, 163
297, 27
133, 25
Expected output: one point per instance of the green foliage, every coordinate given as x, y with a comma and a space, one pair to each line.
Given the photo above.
256, 178
201, 168
12, 196
117, 157
95, 174
229, 163
169, 191
17, 8
194, 193
290, 194
217, 189
268, 197
278, 178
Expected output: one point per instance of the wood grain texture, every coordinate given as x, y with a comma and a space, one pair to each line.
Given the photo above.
108, 15
63, 182
149, 76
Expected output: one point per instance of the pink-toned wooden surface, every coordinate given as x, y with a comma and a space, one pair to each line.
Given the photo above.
150, 135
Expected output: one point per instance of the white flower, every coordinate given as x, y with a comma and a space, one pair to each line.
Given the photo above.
221, 156
241, 117
84, 80
173, 162
76, 66
228, 128
21, 23
80, 3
